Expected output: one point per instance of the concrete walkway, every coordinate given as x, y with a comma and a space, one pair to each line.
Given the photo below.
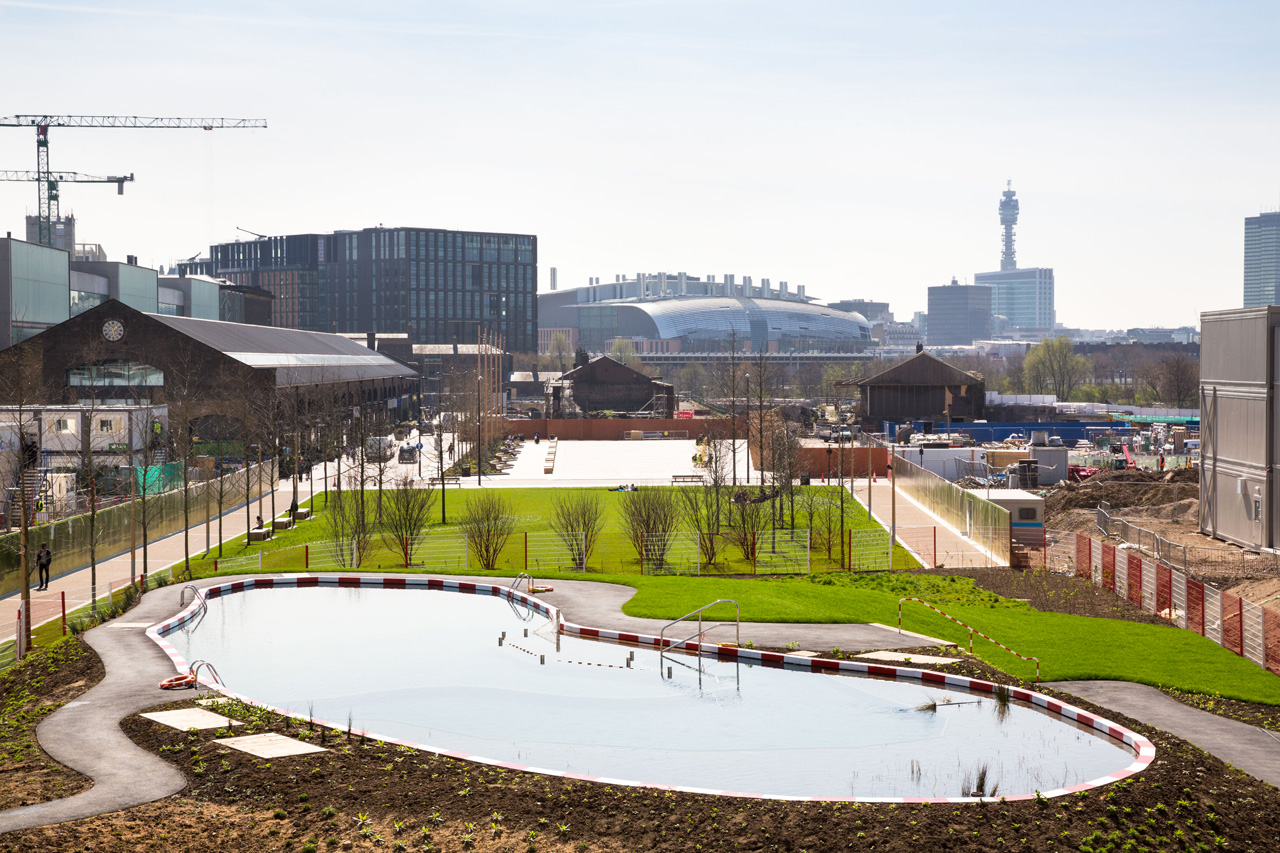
1246, 747
930, 538
85, 734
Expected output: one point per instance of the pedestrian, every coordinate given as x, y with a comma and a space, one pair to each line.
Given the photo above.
1161, 462
44, 559
259, 522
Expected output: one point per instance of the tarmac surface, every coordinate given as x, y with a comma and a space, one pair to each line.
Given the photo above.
1248, 748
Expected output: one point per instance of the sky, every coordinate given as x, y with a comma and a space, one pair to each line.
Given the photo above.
858, 149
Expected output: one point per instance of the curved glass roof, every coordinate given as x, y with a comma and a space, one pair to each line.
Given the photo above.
715, 318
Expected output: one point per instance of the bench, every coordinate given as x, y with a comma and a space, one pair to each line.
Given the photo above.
687, 478
301, 514
260, 534
448, 481
281, 523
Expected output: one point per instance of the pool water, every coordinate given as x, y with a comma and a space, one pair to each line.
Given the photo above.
433, 668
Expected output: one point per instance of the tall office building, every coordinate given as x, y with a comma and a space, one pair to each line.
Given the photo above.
1023, 295
437, 286
959, 314
1262, 260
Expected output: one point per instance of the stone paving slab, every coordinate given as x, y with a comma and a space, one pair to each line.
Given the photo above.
128, 624
905, 658
183, 719
270, 745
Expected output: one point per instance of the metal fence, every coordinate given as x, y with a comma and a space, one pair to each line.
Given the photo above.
1192, 558
980, 520
1250, 630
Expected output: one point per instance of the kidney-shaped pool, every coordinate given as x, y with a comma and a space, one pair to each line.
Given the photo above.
482, 676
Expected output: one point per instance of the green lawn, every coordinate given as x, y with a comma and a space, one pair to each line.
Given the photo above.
1069, 647
532, 510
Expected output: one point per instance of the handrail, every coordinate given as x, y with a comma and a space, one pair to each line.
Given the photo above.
197, 595
204, 664
972, 630
528, 582
737, 624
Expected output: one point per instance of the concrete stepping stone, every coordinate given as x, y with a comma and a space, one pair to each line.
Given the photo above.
904, 658
190, 718
270, 745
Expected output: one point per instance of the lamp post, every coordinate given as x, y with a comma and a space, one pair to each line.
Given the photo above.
747, 377
479, 430
987, 473
840, 444
828, 476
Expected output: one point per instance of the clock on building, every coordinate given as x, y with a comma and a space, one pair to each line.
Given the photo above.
113, 330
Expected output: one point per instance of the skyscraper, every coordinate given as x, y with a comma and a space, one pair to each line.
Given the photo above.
1262, 260
1022, 295
958, 314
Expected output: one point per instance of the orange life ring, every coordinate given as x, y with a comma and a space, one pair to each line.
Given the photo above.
178, 682
537, 589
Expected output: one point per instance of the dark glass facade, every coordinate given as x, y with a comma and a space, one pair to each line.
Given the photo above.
438, 286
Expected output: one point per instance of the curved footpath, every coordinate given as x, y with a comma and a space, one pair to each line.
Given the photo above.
85, 734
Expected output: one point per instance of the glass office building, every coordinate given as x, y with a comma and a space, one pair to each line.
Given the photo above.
435, 285
1024, 296
1262, 260
35, 289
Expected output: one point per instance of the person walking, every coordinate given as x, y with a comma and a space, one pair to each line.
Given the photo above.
44, 559
1161, 463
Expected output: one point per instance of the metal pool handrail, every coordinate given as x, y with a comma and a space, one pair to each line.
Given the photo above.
972, 630
736, 623
528, 582
197, 596
204, 664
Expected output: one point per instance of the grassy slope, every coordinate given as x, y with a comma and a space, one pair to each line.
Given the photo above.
1069, 647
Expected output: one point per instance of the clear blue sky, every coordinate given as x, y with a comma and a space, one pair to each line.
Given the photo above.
858, 149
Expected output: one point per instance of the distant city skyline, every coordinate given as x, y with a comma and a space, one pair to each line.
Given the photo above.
853, 149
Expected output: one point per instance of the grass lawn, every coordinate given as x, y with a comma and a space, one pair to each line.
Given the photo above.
532, 511
1069, 647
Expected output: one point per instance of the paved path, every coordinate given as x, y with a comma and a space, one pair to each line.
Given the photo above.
949, 548
1248, 748
85, 734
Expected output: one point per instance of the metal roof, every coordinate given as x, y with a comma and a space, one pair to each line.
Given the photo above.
297, 356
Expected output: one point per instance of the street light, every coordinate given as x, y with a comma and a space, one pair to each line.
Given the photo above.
987, 472
747, 377
479, 430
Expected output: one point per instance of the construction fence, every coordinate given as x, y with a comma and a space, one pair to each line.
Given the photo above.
1197, 558
1248, 629
986, 524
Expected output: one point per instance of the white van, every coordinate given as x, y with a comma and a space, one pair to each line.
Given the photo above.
1191, 445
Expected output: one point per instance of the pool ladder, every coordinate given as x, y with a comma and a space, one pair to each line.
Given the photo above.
663, 645
196, 596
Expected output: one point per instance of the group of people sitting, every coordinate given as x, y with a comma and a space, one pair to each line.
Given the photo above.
625, 488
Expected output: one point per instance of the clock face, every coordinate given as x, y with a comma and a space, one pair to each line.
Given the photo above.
113, 330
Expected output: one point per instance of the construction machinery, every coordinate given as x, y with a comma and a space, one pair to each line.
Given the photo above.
52, 180
47, 184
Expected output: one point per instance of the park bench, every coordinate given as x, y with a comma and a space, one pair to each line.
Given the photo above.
260, 534
676, 479
281, 523
301, 514
447, 481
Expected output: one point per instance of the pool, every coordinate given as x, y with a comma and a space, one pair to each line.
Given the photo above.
478, 671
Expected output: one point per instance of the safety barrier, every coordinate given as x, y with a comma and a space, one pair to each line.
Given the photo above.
1248, 629
972, 630
1197, 558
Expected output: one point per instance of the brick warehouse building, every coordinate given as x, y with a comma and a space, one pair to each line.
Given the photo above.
116, 354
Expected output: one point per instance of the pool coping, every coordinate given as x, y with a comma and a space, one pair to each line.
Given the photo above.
1143, 748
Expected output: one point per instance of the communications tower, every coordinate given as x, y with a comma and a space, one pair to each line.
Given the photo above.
1008, 218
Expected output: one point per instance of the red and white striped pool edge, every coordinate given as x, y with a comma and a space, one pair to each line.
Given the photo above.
1144, 749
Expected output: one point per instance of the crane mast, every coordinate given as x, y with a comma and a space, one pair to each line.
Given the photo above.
48, 185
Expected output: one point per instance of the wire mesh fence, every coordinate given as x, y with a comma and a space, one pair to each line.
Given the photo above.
1196, 558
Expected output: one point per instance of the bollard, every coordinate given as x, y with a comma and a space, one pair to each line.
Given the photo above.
526, 632
64, 613
542, 659
668, 672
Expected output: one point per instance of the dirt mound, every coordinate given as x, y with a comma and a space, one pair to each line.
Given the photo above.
1123, 489
1184, 510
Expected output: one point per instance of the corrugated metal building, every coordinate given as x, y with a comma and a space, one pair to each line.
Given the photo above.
1238, 442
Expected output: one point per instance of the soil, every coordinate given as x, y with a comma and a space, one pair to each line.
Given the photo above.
1138, 487
47, 680
1053, 593
1186, 800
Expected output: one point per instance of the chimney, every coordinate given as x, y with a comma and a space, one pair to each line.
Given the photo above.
455, 344
131, 260
553, 278
534, 371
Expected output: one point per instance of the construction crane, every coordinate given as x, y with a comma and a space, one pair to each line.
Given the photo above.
55, 178
42, 123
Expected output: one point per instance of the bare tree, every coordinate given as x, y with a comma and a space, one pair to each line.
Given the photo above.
1179, 379
649, 517
703, 507
748, 517
22, 386
488, 524
349, 520
406, 515
577, 517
